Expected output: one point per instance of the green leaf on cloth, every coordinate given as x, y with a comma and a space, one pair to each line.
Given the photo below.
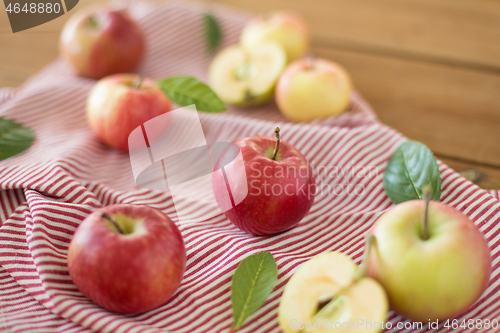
410, 168
14, 138
253, 282
186, 90
213, 32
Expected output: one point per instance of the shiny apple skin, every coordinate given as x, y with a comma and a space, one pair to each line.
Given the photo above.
115, 107
101, 42
265, 213
286, 28
312, 89
130, 273
432, 279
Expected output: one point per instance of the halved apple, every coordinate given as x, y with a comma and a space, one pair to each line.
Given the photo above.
327, 295
247, 78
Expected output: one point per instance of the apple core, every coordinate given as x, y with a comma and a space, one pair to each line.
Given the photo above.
93, 23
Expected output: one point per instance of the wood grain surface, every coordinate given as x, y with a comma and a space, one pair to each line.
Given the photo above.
429, 68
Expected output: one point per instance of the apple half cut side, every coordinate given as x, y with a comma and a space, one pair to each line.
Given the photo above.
326, 295
247, 79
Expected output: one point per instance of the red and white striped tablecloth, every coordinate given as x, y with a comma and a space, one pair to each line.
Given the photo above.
47, 191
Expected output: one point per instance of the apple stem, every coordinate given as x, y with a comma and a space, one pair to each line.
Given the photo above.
113, 222
277, 134
311, 59
362, 270
93, 22
426, 191
139, 82
248, 95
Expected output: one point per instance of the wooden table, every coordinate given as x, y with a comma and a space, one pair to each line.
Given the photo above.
430, 68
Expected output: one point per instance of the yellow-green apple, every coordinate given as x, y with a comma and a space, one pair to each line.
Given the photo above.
126, 258
280, 184
247, 78
285, 28
102, 42
119, 103
313, 88
432, 260
326, 294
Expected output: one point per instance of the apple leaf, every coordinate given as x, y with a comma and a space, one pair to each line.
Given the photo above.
253, 282
213, 32
410, 168
186, 90
14, 138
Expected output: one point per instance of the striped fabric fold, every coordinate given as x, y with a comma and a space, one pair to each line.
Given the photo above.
47, 191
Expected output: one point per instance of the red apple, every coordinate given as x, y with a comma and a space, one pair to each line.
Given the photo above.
102, 42
280, 185
127, 259
120, 103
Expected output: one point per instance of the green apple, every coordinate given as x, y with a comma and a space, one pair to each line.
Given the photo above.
432, 260
247, 78
285, 28
313, 89
327, 294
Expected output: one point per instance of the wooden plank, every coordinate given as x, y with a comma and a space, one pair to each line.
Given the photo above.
453, 31
455, 111
489, 177
26, 52
25, 55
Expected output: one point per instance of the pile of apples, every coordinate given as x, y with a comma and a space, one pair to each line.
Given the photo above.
271, 60
424, 259
105, 43
108, 260
126, 258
